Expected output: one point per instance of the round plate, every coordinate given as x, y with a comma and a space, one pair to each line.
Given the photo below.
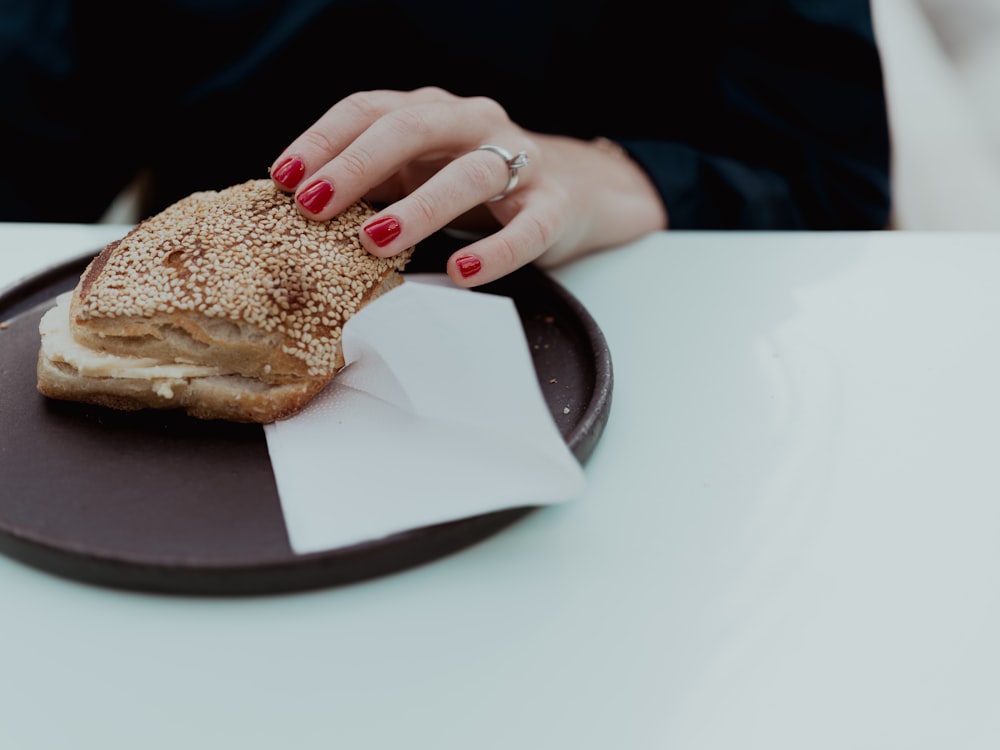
157, 501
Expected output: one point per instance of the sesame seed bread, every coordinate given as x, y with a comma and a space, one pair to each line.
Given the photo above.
228, 304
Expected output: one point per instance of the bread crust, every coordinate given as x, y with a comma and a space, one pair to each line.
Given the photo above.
237, 280
226, 397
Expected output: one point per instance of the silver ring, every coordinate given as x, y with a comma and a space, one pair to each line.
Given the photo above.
514, 164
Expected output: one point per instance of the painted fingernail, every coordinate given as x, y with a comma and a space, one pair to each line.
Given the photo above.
315, 197
383, 231
468, 265
289, 172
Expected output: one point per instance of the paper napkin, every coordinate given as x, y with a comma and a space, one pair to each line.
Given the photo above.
438, 416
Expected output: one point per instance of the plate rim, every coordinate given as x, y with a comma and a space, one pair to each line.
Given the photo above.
384, 555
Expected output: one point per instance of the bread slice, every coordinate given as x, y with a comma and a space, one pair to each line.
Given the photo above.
228, 304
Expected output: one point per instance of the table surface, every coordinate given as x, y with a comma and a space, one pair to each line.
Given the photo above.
790, 538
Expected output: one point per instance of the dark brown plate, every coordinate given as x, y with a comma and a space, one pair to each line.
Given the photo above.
157, 501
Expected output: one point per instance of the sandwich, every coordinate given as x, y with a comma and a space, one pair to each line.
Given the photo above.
228, 304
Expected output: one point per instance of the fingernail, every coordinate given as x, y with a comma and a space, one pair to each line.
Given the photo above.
315, 197
289, 172
468, 265
383, 231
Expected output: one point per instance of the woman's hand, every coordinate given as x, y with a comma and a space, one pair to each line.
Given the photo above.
418, 153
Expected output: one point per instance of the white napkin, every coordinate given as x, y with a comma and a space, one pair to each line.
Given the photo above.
437, 416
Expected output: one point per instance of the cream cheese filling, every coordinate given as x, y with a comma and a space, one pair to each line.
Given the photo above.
59, 345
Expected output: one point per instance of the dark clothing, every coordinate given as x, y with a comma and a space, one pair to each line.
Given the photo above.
765, 114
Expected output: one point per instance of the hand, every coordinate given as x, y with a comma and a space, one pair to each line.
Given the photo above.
417, 153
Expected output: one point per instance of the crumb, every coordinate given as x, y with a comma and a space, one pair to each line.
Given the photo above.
4, 325
565, 410
553, 380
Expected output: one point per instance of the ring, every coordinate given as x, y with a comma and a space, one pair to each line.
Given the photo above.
514, 164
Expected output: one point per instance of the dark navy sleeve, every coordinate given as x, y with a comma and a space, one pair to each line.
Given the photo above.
763, 114
792, 129
91, 94
41, 124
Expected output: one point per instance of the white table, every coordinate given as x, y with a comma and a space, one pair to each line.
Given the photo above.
790, 539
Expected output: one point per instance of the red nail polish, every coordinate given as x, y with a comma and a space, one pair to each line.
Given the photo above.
289, 172
383, 231
468, 265
315, 197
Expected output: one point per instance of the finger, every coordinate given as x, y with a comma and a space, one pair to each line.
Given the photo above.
456, 189
528, 235
426, 132
336, 129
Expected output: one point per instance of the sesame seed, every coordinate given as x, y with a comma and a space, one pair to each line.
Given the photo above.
245, 254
